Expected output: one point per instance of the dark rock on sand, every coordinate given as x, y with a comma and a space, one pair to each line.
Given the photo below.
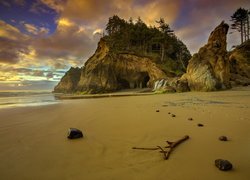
74, 133
223, 165
190, 119
223, 138
157, 110
173, 115
200, 125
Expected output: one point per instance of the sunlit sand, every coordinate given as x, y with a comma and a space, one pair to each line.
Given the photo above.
34, 142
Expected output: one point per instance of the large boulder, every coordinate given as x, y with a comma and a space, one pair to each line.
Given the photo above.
208, 70
239, 60
106, 71
69, 81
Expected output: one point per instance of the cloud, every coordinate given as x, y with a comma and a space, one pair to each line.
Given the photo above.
30, 85
20, 2
15, 73
9, 3
50, 75
12, 43
39, 7
5, 3
38, 73
57, 5
96, 13
70, 42
31, 28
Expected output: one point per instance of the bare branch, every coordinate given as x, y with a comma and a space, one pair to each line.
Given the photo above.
145, 148
171, 146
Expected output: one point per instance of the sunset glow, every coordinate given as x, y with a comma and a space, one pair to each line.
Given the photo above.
41, 39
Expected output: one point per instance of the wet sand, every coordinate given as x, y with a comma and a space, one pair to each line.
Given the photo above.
34, 142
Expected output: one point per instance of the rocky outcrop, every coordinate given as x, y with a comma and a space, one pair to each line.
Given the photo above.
208, 70
107, 71
69, 81
239, 60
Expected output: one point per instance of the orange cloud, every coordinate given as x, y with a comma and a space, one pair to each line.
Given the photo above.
69, 45
96, 13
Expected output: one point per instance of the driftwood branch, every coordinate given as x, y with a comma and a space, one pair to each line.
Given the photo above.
145, 148
171, 146
164, 152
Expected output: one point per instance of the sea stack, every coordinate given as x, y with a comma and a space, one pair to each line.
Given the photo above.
106, 71
208, 70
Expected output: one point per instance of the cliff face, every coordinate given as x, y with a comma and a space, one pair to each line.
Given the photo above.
208, 69
239, 60
106, 72
69, 81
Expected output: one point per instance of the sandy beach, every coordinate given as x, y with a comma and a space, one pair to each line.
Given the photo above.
34, 142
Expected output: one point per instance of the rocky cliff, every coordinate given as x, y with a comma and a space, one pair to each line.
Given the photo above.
239, 60
208, 70
212, 68
106, 71
69, 81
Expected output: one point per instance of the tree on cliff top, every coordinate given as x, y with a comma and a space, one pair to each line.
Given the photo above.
159, 43
240, 23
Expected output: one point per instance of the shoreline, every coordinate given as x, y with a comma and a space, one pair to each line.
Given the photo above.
62, 96
104, 95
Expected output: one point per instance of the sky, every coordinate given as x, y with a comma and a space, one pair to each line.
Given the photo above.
41, 39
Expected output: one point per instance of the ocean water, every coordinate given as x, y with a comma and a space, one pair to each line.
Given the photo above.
9, 99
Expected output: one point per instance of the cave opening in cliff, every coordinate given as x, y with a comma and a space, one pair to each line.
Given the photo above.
124, 84
145, 81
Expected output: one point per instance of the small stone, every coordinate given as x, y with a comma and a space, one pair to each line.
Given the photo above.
74, 133
173, 115
223, 165
223, 138
157, 110
190, 119
200, 125
169, 112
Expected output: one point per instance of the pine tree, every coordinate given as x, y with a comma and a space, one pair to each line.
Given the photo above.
240, 23
166, 33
